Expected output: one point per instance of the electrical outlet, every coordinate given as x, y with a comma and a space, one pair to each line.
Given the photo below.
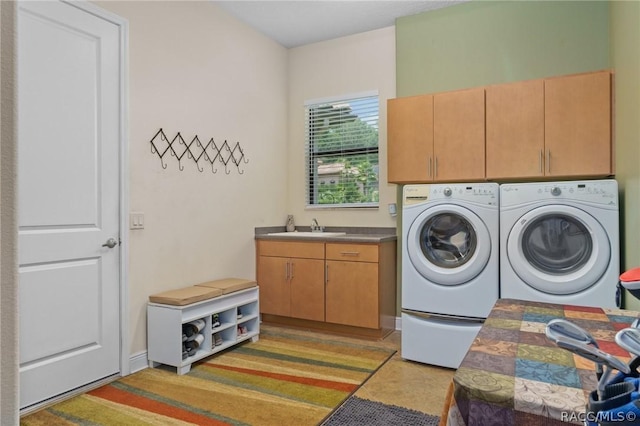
136, 220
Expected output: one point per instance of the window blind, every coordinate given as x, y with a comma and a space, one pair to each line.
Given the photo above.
341, 151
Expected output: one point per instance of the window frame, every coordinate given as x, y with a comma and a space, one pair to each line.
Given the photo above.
311, 176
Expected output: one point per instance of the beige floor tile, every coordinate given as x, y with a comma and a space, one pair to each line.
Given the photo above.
409, 384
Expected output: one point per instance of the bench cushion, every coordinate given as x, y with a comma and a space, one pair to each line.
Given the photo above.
185, 296
229, 285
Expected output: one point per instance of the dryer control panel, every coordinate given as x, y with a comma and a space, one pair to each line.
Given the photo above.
480, 193
603, 192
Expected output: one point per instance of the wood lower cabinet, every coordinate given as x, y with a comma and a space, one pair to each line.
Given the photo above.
291, 279
351, 290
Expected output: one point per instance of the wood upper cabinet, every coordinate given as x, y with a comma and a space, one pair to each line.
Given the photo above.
578, 125
546, 128
557, 127
291, 279
436, 138
515, 130
410, 139
458, 135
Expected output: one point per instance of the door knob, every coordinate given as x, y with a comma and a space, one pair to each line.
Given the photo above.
111, 243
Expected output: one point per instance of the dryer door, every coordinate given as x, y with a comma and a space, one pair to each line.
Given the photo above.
558, 249
448, 244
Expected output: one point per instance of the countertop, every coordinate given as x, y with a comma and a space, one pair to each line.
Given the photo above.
353, 234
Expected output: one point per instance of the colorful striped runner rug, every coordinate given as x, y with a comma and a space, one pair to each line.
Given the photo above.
283, 379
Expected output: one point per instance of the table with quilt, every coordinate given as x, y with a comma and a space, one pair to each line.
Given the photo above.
513, 375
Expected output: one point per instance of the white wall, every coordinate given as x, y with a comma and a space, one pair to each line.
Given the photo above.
347, 65
196, 70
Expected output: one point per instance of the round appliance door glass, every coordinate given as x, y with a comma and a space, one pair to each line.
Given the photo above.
558, 249
448, 244
448, 240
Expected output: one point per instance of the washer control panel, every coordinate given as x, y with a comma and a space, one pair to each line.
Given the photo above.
480, 193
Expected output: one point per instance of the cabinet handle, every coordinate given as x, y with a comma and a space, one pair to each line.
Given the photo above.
326, 272
435, 169
291, 277
549, 161
430, 161
286, 271
350, 253
540, 160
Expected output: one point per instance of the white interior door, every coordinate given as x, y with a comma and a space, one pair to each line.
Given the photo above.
68, 194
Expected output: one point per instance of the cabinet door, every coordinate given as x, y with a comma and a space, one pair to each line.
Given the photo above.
515, 130
578, 125
307, 289
410, 139
352, 293
458, 135
274, 285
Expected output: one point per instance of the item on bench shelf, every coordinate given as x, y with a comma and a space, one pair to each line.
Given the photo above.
229, 285
192, 328
215, 321
217, 339
185, 296
195, 343
242, 331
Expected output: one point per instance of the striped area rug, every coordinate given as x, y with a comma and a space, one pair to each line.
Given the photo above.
283, 379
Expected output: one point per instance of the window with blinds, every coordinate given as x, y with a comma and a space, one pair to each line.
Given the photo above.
341, 150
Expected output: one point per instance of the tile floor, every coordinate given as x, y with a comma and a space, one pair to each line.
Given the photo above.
408, 384
400, 382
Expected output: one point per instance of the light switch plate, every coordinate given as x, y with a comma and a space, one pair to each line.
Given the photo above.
136, 220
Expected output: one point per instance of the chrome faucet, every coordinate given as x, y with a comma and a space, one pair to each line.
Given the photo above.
315, 227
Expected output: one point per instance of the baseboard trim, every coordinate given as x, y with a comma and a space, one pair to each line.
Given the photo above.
138, 362
398, 323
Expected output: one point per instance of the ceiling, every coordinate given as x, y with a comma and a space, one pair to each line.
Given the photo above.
298, 22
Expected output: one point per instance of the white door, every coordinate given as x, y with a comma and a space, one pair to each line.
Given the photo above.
68, 194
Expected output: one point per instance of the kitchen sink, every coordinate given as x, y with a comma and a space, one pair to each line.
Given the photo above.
307, 234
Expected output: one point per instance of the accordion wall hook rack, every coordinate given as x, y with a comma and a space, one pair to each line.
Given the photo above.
209, 154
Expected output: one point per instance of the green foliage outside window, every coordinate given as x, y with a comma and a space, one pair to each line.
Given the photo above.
343, 153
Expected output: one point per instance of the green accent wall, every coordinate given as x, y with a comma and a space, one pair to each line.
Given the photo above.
486, 42
625, 60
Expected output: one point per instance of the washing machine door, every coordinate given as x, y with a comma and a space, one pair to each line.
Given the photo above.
558, 249
448, 244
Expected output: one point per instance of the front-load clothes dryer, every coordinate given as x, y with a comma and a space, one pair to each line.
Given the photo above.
559, 242
450, 272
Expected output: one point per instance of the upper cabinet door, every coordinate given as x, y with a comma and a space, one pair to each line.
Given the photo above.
515, 130
578, 125
458, 135
410, 139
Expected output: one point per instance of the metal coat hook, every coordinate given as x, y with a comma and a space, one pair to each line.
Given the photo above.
196, 151
155, 150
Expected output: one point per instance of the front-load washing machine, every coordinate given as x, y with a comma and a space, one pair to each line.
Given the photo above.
559, 242
450, 250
